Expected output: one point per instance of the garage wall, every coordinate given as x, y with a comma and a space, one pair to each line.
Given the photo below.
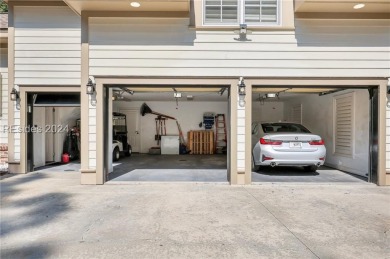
189, 115
39, 119
47, 46
167, 47
267, 111
43, 142
317, 116
65, 116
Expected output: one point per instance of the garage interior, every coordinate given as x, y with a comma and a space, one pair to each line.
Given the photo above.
349, 135
55, 118
176, 134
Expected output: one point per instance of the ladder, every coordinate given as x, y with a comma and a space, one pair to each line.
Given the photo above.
181, 136
220, 134
161, 129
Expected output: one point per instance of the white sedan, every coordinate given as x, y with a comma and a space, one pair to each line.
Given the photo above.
286, 144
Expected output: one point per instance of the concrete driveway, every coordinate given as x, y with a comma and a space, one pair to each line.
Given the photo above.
50, 215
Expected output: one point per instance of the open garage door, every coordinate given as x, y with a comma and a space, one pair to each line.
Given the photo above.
341, 120
52, 131
174, 134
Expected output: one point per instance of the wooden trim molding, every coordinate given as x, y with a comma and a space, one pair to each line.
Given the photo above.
342, 16
36, 3
172, 14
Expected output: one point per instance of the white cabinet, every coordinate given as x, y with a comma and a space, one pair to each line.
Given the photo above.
170, 145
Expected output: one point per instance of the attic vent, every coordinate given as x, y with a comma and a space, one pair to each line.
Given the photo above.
343, 124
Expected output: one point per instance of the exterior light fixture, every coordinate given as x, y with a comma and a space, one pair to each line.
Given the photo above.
243, 29
91, 90
241, 92
388, 97
358, 6
91, 87
242, 32
135, 4
15, 97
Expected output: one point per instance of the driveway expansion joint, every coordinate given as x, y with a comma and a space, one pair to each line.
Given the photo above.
274, 216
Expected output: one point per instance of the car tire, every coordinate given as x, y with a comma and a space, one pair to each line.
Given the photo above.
128, 151
310, 168
116, 154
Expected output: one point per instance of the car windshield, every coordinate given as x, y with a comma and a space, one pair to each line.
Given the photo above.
283, 127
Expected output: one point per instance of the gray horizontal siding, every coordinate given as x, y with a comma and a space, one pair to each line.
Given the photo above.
166, 47
47, 46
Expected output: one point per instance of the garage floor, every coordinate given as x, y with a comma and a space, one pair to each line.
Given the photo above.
198, 168
163, 167
296, 174
204, 168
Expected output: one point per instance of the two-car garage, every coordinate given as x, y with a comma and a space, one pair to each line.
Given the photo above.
345, 115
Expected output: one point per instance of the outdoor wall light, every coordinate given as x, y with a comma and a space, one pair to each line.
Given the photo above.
15, 97
242, 32
388, 97
243, 29
91, 90
91, 86
241, 92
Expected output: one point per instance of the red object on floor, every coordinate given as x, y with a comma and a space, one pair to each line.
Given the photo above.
65, 158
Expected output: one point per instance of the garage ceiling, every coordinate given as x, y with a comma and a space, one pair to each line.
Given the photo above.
167, 94
144, 94
287, 93
293, 90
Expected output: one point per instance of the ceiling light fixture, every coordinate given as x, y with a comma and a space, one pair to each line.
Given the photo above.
271, 95
135, 4
358, 6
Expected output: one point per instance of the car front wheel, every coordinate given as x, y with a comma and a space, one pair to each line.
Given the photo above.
128, 151
116, 154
